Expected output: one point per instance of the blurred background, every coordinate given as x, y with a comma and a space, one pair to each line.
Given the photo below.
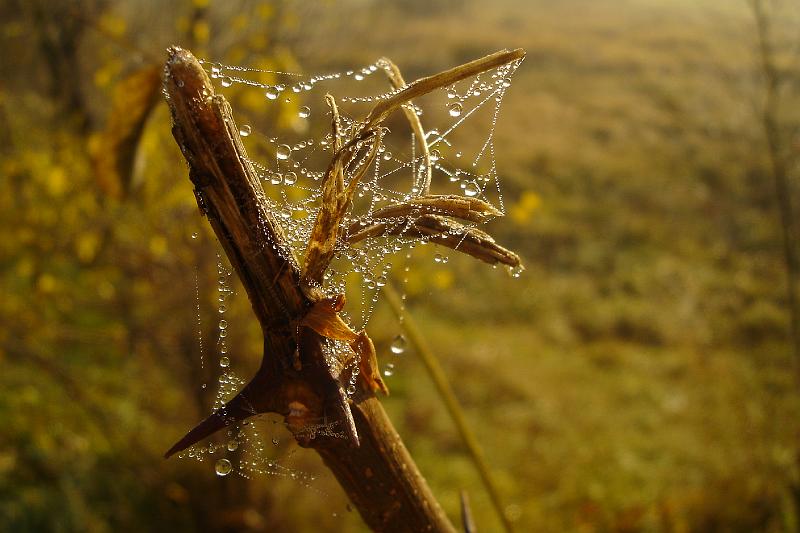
639, 376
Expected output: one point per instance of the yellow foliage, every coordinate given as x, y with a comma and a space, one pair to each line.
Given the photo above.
522, 211
201, 32
158, 245
265, 11
116, 26
86, 246
56, 181
46, 283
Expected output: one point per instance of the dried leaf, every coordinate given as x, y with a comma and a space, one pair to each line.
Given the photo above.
446, 232
323, 317
368, 363
114, 151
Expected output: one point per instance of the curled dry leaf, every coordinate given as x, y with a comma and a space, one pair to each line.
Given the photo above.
446, 232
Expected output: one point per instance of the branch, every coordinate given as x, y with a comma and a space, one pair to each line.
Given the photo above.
372, 465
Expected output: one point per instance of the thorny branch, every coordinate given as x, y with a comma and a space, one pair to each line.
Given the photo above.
299, 321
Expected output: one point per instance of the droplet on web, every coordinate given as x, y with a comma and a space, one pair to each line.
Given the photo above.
290, 178
304, 112
472, 189
388, 370
271, 93
226, 81
455, 109
284, 151
398, 345
245, 130
223, 467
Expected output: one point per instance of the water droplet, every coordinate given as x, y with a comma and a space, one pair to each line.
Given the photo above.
439, 258
506, 82
290, 178
215, 70
451, 94
387, 155
194, 235
233, 444
358, 77
472, 189
275, 441
245, 130
226, 81
284, 151
351, 390
223, 324
388, 370
222, 309
398, 345
304, 112
224, 361
455, 109
223, 467
272, 93
276, 178
435, 155
458, 154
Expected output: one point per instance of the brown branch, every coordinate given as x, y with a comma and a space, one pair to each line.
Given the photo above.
373, 465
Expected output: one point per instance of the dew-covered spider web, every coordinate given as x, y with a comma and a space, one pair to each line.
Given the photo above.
452, 154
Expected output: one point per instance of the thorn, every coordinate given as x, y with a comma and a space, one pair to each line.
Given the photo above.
466, 514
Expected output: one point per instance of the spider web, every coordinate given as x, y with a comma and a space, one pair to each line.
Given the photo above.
292, 165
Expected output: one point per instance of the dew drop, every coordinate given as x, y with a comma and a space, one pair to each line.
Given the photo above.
272, 93
284, 151
226, 81
290, 178
351, 390
224, 361
435, 155
223, 324
387, 156
223, 467
472, 189
451, 94
455, 109
398, 345
358, 77
194, 235
245, 130
388, 370
304, 112
233, 444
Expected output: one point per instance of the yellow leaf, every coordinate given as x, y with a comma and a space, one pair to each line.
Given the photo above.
57, 181
114, 150
524, 209
158, 245
86, 246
